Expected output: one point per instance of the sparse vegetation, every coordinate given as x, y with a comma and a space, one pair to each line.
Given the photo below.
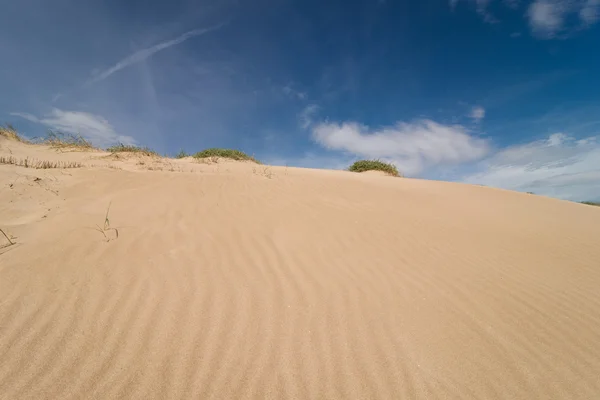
67, 141
39, 164
9, 132
265, 171
106, 227
124, 148
225, 153
374, 165
182, 154
591, 203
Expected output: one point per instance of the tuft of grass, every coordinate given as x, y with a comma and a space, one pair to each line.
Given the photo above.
67, 141
591, 203
182, 154
9, 132
124, 148
374, 165
106, 227
226, 153
39, 164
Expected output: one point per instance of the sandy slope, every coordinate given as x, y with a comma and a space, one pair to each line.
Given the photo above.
231, 281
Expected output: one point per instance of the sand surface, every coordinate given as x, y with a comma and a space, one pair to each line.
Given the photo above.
230, 280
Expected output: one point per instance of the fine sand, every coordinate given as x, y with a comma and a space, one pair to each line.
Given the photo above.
230, 280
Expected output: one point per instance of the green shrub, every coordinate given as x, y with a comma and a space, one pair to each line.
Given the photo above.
225, 153
123, 148
182, 154
374, 165
591, 203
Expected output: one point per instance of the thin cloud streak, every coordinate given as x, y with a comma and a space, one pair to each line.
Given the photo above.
143, 54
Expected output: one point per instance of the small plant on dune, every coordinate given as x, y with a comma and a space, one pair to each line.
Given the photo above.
106, 227
67, 141
126, 148
226, 153
591, 203
182, 154
374, 165
9, 132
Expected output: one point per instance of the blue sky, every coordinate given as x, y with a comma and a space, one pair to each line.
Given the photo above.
504, 93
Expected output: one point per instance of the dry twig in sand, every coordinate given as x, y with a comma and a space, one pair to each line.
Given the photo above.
107, 227
10, 242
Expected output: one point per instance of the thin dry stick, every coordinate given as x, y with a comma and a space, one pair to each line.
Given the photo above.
7, 238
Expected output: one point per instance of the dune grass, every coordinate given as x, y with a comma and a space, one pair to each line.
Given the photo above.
226, 153
181, 154
106, 227
9, 132
125, 148
67, 141
39, 164
374, 165
591, 203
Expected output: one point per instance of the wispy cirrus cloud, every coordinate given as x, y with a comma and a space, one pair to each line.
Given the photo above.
143, 54
290, 91
306, 116
90, 126
413, 147
558, 166
551, 19
482, 7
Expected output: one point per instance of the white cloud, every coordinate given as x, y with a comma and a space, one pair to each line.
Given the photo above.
477, 113
411, 146
92, 127
143, 54
559, 166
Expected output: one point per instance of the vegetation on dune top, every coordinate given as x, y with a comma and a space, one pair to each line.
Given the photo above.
591, 203
225, 153
9, 132
374, 165
60, 140
182, 154
125, 148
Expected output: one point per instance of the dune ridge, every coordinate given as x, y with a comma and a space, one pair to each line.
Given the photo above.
228, 282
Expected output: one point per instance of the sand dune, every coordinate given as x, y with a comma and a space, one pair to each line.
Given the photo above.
230, 280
